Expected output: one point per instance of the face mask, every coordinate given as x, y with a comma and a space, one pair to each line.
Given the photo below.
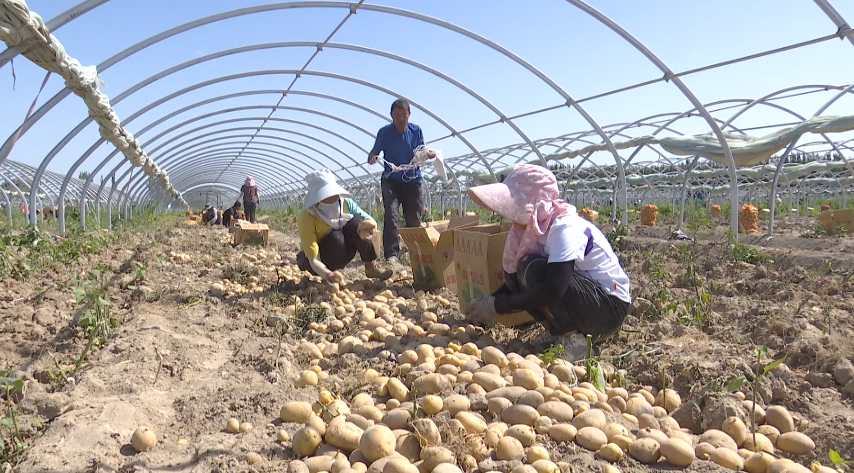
328, 208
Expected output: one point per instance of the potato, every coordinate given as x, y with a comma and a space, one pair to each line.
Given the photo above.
545, 466
591, 438
297, 466
556, 410
677, 452
489, 382
769, 431
253, 458
536, 452
759, 416
446, 468
244, 427
593, 418
646, 450
527, 378
563, 432
376, 442
758, 463
683, 436
718, 439
735, 428
532, 398
296, 411
763, 443
727, 458
703, 450
345, 436
637, 406
658, 435
359, 421
610, 452
399, 466
496, 405
307, 378
233, 425
282, 436
433, 456
409, 446
509, 448
432, 404
143, 439
494, 356
520, 414
432, 383
397, 389
472, 423
648, 421
780, 465
319, 463
427, 431
610, 469
622, 441
306, 440
361, 399
780, 418
795, 442
671, 402
522, 433
542, 425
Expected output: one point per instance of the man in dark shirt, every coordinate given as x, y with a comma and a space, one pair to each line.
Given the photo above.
398, 141
230, 214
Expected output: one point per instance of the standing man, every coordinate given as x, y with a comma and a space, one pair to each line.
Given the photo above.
398, 141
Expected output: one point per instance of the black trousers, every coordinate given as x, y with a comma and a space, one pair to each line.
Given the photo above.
339, 247
249, 208
395, 194
585, 306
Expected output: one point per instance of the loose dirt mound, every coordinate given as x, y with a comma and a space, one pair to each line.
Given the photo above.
190, 351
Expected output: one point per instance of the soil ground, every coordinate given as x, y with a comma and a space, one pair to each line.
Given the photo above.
182, 360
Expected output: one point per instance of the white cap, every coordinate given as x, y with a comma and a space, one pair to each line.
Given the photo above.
321, 185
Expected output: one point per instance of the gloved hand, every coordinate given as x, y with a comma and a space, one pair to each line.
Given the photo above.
366, 229
334, 276
482, 310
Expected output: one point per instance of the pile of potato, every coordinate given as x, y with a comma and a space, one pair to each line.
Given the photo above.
455, 403
180, 257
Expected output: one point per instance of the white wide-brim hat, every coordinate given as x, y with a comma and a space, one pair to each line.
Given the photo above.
321, 185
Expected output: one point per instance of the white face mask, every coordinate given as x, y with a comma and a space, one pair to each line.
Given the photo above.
329, 208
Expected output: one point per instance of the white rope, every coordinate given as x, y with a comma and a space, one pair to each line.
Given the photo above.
421, 155
21, 27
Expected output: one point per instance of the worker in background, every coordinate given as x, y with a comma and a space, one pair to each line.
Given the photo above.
332, 229
249, 193
231, 213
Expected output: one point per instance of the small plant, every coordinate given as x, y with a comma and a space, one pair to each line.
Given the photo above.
616, 237
239, 273
817, 231
13, 442
662, 300
94, 315
551, 353
739, 252
759, 371
839, 463
595, 372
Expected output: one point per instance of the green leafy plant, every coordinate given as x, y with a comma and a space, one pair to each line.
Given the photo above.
739, 252
595, 372
551, 353
94, 316
13, 442
616, 237
839, 463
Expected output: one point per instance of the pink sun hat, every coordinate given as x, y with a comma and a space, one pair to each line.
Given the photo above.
530, 197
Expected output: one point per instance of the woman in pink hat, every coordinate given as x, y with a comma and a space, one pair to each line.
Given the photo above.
557, 266
249, 193
332, 229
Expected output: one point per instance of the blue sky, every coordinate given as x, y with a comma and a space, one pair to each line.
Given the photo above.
575, 51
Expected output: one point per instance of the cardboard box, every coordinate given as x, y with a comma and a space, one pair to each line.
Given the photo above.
251, 234
477, 258
431, 252
844, 217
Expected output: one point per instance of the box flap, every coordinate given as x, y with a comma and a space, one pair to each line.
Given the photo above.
465, 221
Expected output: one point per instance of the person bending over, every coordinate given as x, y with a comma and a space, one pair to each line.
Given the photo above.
557, 266
230, 214
332, 229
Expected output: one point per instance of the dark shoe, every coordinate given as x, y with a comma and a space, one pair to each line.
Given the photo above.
371, 271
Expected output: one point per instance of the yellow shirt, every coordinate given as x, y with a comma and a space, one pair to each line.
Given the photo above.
312, 228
